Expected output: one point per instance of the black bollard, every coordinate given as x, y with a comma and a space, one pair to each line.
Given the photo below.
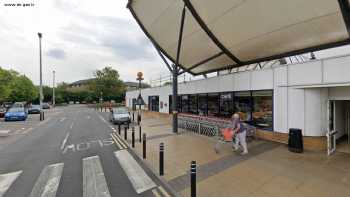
119, 129
133, 116
193, 179
125, 133
144, 146
161, 159
133, 137
140, 133
43, 115
138, 119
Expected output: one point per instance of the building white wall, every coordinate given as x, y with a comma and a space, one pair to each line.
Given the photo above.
301, 91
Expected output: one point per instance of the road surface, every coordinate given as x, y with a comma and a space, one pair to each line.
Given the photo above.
74, 152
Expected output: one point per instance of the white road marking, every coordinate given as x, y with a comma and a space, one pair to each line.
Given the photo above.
6, 181
71, 126
137, 176
88, 117
48, 181
65, 141
162, 190
62, 119
102, 119
71, 146
94, 182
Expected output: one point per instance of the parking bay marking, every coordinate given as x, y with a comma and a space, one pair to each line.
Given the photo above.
87, 145
65, 141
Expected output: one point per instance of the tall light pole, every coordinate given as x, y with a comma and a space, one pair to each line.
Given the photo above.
53, 90
41, 74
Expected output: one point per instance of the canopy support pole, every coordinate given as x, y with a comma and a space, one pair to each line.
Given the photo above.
163, 58
176, 72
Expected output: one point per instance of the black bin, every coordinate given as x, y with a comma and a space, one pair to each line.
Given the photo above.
295, 141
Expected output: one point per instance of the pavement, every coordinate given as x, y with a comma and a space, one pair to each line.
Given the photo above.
268, 170
74, 152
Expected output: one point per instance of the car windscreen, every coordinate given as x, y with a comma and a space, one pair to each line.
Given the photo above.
16, 110
120, 111
35, 107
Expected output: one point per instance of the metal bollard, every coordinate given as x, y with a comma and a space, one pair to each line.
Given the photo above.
119, 129
133, 116
43, 115
161, 159
144, 146
193, 179
138, 119
125, 133
133, 137
140, 133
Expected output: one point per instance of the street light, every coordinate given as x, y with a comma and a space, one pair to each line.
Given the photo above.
41, 75
53, 89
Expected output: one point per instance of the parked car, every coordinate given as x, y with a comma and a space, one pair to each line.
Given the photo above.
2, 112
120, 115
34, 109
46, 106
16, 113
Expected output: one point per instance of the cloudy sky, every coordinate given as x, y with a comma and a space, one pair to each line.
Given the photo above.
79, 36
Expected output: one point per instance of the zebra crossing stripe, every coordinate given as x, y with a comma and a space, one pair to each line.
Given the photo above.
121, 139
6, 181
48, 181
137, 176
94, 182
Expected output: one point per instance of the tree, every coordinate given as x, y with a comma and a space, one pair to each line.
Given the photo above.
108, 83
22, 89
6, 78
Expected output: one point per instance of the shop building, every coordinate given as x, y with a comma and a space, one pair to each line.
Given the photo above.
313, 96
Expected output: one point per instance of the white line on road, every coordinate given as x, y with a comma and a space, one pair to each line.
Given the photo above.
65, 141
6, 181
102, 118
162, 190
94, 182
62, 119
48, 181
137, 176
71, 125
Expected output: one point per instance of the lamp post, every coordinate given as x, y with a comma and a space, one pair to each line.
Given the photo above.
41, 75
139, 78
53, 89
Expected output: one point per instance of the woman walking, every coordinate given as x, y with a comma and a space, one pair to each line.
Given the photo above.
240, 134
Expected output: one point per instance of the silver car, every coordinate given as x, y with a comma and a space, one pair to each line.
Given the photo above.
120, 115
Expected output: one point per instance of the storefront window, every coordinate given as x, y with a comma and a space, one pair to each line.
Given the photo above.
262, 109
226, 104
193, 107
184, 103
202, 104
242, 105
213, 104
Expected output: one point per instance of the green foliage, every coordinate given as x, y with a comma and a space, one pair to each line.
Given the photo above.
16, 87
107, 84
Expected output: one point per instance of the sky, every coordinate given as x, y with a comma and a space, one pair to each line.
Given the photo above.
79, 37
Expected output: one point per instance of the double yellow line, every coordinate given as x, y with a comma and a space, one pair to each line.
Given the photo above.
162, 192
121, 144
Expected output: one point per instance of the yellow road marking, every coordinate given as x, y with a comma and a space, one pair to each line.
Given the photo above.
155, 193
162, 190
116, 142
116, 136
122, 139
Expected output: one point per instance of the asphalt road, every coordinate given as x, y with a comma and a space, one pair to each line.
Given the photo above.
72, 154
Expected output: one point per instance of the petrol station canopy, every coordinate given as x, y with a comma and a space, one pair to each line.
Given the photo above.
223, 34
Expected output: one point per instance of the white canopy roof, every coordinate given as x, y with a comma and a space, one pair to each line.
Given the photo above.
221, 34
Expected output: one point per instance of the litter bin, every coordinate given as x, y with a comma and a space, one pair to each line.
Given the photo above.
295, 141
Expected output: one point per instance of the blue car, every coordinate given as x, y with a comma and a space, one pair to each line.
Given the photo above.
16, 113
